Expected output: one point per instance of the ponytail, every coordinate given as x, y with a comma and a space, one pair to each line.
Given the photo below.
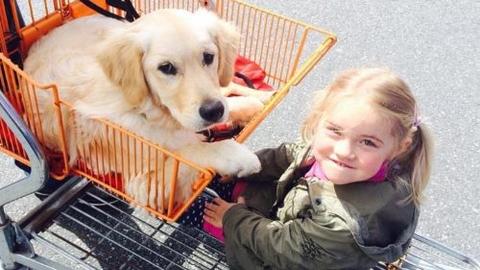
418, 162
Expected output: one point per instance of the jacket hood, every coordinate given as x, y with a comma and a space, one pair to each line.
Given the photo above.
380, 220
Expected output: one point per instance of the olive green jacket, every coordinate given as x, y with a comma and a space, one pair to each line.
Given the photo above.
293, 222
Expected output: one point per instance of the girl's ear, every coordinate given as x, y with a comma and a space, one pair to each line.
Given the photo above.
404, 145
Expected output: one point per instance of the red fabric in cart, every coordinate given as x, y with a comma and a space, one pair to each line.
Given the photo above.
253, 72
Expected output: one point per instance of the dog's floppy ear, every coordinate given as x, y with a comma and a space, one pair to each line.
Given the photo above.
227, 39
121, 60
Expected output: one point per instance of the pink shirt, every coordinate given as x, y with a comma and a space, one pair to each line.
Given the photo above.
316, 171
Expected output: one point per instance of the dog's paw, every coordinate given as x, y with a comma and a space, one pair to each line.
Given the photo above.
136, 188
236, 160
248, 166
242, 109
264, 96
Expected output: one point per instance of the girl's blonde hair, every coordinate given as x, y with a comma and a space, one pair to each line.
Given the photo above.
391, 96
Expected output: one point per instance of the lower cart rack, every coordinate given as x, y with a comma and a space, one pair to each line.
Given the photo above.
96, 230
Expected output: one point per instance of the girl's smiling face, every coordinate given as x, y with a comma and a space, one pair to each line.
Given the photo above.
352, 141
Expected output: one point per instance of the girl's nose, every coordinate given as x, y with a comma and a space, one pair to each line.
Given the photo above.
344, 149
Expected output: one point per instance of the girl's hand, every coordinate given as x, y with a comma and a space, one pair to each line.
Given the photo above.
241, 200
226, 179
215, 211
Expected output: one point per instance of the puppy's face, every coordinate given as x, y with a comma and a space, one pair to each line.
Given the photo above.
176, 60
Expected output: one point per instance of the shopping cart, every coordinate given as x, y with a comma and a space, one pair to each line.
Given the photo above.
87, 222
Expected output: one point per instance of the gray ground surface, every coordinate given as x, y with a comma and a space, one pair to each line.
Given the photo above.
432, 44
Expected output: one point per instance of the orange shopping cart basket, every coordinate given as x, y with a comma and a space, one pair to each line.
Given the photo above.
286, 50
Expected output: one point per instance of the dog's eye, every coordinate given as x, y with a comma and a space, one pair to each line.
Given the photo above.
168, 68
208, 58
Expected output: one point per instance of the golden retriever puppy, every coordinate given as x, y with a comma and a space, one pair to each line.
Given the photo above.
160, 76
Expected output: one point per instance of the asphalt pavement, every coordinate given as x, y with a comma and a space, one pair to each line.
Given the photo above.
433, 45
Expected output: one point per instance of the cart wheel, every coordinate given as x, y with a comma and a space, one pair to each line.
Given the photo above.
50, 186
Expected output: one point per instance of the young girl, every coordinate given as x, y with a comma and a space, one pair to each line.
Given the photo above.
347, 196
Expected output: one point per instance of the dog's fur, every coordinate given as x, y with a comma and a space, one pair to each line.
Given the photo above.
110, 69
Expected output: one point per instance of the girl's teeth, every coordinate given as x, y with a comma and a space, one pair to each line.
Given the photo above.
340, 164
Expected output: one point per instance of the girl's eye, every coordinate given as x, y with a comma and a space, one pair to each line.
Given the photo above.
334, 131
368, 142
208, 58
167, 68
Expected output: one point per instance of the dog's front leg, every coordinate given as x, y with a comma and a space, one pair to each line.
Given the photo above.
226, 157
234, 89
148, 189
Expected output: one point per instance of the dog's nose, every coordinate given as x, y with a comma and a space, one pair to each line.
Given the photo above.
212, 110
